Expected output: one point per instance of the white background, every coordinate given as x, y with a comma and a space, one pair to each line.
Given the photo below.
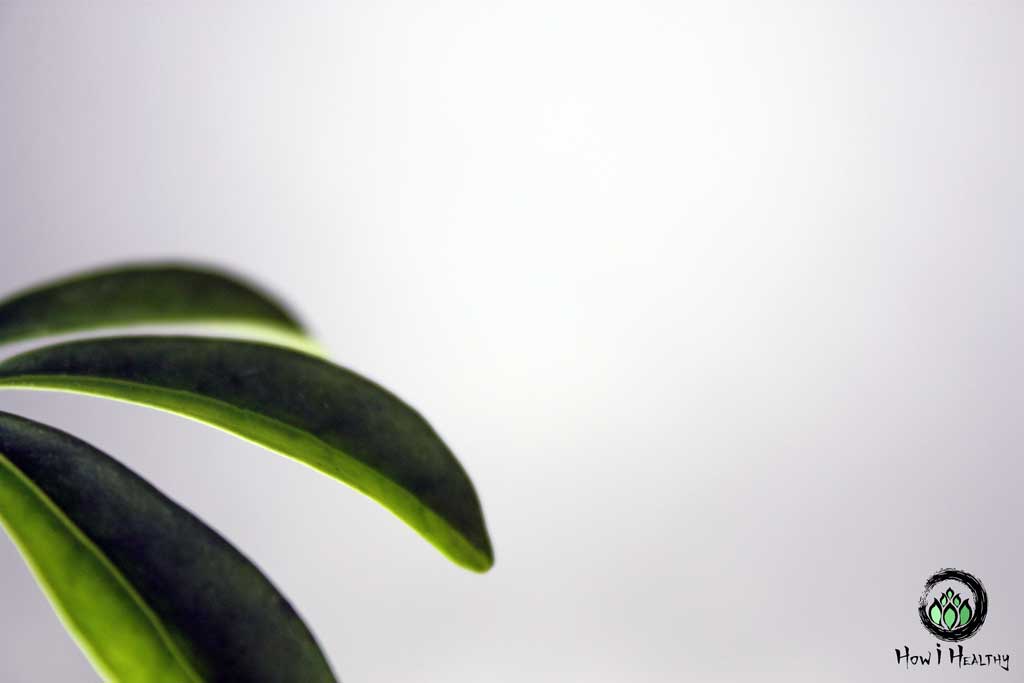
719, 304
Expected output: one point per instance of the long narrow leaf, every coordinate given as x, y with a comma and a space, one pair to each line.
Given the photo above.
144, 294
149, 592
293, 403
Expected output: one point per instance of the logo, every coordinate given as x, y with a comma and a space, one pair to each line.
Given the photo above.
953, 605
952, 608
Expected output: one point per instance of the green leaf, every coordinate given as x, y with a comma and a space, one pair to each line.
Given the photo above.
935, 613
147, 294
949, 616
301, 406
150, 593
965, 612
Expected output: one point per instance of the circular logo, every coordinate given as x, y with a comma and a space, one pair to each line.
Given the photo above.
953, 605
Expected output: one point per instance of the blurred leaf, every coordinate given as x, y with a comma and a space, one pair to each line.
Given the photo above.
301, 406
949, 616
935, 613
148, 590
965, 612
147, 294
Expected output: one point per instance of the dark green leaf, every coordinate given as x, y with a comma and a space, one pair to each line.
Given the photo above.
145, 294
293, 403
148, 590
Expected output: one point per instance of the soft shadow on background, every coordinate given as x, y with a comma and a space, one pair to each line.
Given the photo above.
718, 303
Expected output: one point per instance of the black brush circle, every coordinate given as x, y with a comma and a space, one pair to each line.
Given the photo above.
980, 605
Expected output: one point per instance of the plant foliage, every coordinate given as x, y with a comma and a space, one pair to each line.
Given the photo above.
149, 591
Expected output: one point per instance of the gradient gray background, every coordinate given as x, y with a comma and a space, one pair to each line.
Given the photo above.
718, 303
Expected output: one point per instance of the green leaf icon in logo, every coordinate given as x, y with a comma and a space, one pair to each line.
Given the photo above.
950, 611
946, 613
965, 613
